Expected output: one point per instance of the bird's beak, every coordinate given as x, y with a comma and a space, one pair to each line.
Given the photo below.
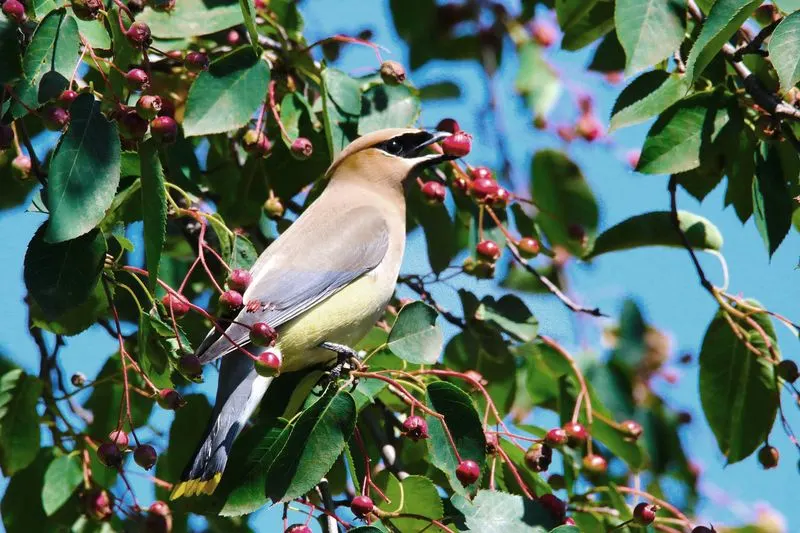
428, 160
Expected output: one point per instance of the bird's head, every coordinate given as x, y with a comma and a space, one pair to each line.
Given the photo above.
390, 155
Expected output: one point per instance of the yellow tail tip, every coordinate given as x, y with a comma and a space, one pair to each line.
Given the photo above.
196, 487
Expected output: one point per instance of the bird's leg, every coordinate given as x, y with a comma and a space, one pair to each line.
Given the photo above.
346, 359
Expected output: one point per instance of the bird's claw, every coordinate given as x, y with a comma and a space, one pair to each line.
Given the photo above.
347, 360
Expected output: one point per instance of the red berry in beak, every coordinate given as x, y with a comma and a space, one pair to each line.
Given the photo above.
459, 144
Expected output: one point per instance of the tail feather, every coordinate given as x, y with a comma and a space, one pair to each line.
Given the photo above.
239, 392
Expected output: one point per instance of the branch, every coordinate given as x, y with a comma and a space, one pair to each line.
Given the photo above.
416, 285
673, 211
754, 46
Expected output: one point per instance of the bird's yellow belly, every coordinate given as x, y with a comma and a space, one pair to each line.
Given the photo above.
343, 318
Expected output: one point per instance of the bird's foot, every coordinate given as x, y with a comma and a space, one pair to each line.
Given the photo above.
347, 360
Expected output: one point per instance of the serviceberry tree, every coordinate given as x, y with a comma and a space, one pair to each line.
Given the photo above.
212, 124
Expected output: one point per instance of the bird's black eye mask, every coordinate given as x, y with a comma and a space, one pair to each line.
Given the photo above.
410, 145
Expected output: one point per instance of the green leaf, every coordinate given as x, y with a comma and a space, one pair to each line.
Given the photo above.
249, 14
294, 108
61, 276
536, 80
583, 21
415, 335
77, 319
185, 434
788, 6
19, 422
647, 96
772, 203
649, 30
724, 19
154, 208
440, 230
63, 476
499, 512
224, 97
609, 56
341, 104
52, 53
243, 253
10, 53
465, 427
388, 106
95, 33
191, 18
442, 90
656, 229
784, 50
510, 315
740, 168
414, 495
84, 172
564, 198
681, 136
738, 389
22, 503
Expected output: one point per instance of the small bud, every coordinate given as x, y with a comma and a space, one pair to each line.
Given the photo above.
196, 62
415, 428
392, 73
302, 148
145, 456
273, 208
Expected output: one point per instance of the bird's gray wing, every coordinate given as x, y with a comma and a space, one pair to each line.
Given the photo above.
313, 260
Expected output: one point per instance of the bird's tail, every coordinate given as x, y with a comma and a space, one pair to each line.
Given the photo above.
239, 391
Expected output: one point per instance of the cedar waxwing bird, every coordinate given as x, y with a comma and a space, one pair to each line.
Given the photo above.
326, 279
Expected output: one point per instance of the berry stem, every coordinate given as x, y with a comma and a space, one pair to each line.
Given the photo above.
346, 39
503, 455
274, 109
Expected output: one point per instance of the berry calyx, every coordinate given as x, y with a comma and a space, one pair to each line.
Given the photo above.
488, 250
576, 433
230, 301
392, 73
458, 144
434, 192
189, 365
543, 33
15, 11
483, 188
87, 9
788, 371
528, 247
240, 279
273, 208
768, 456
145, 456
538, 457
415, 428
644, 513
148, 106
139, 35
631, 429
362, 506
170, 399
262, 334
480, 173
21, 167
196, 62
66, 98
55, 118
555, 438
178, 306
555, 505
298, 528
595, 464
268, 364
164, 129
468, 472
302, 148
137, 79
449, 125
119, 438
109, 454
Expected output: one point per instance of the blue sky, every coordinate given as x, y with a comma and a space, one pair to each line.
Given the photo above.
662, 281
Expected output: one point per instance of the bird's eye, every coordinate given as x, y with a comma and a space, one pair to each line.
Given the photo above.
394, 147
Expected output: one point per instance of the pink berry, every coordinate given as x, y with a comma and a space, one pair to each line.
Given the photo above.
459, 144
148, 106
576, 433
468, 472
268, 364
98, 504
164, 129
632, 157
488, 250
483, 188
170, 399
145, 456
139, 35
196, 62
544, 33
415, 428
644, 513
21, 167
298, 528
119, 438
15, 11
56, 118
178, 305
362, 506
302, 148
589, 127
230, 301
66, 98
567, 133
262, 334
556, 437
137, 79
434, 192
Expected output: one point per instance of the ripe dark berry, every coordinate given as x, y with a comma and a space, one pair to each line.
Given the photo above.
528, 247
148, 106
302, 148
576, 433
196, 62
145, 456
55, 118
589, 127
139, 35
161, 6
434, 192
164, 129
15, 11
415, 428
538, 457
392, 73
553, 504
131, 125
87, 9
120, 438
544, 33
768, 456
483, 188
189, 365
298, 528
268, 364
595, 464
468, 472
167, 108
449, 125
788, 371
66, 98
6, 136
703, 529
21, 167
178, 306
170, 399
488, 250
480, 173
644, 513
262, 334
459, 144
77, 379
230, 301
137, 79
631, 429
555, 437
98, 504
159, 518
109, 454
362, 506
240, 279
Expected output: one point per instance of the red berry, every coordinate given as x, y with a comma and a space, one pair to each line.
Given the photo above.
164, 129
589, 127
139, 35
631, 429
553, 504
109, 454
392, 73
97, 503
528, 247
555, 437
170, 399
434, 192
298, 528
544, 33
230, 301
644, 513
233, 38
362, 506
595, 464
196, 62
483, 188
131, 125
415, 428
768, 456
145, 456
569, 521
55, 118
159, 518
468, 472
6, 136
137, 79
488, 250
268, 364
501, 197
240, 279
189, 365
480, 173
148, 106
66, 98
262, 334
179, 306
449, 125
87, 9
15, 11
302, 148
576, 433
458, 144
120, 438
787, 370
21, 167
538, 457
